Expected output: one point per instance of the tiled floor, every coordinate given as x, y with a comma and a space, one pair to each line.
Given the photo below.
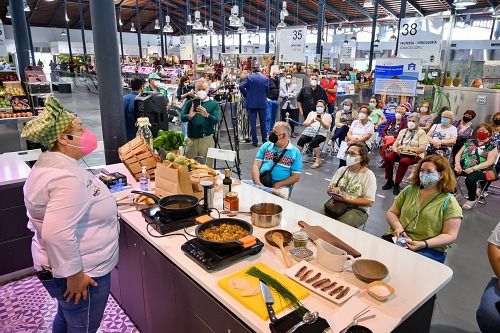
26, 307
456, 303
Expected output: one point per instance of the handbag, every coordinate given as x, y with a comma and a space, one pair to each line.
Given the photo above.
334, 208
489, 175
266, 178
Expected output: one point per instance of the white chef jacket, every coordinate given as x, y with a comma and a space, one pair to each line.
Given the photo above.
73, 216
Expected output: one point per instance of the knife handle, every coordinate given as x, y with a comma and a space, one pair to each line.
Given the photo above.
272, 315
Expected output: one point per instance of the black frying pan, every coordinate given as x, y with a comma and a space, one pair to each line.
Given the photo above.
251, 240
173, 204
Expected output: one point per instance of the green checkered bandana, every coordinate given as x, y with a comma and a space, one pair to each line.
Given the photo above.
46, 128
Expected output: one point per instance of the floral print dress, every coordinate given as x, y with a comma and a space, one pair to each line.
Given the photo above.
472, 152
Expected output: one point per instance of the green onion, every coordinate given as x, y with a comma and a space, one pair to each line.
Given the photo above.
293, 302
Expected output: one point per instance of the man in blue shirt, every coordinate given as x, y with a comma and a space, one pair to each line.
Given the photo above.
137, 86
287, 171
254, 88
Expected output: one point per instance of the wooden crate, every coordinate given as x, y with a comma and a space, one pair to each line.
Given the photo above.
135, 154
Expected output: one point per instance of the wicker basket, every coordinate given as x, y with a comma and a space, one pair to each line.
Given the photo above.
135, 154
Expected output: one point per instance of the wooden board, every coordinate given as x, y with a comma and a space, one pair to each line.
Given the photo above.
256, 303
316, 232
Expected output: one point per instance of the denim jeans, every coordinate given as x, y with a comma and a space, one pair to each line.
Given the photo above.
436, 255
84, 317
272, 109
488, 312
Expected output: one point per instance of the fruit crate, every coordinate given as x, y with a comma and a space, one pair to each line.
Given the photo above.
20, 104
13, 88
135, 154
38, 88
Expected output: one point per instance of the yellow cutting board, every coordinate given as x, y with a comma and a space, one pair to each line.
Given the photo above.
256, 302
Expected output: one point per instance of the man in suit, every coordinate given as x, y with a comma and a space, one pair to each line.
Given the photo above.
254, 88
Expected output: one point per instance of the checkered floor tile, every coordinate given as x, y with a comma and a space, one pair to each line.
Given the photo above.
26, 307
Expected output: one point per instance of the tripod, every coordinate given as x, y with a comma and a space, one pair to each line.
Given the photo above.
234, 122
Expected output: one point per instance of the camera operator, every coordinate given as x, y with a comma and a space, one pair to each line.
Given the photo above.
202, 115
185, 90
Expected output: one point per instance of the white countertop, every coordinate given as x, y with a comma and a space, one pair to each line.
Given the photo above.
12, 169
415, 278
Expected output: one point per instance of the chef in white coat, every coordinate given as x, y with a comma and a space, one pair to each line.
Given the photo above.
74, 218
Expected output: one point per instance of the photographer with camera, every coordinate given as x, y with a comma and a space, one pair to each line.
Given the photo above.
202, 115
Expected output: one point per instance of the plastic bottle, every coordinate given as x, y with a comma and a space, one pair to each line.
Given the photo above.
144, 180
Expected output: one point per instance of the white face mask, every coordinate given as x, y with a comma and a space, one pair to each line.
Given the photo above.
351, 160
314, 83
288, 81
347, 107
412, 125
398, 116
201, 94
424, 109
362, 116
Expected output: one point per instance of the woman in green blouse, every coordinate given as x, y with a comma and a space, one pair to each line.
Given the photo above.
425, 214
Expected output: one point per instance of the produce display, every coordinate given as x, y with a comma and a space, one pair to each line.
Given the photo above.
8, 76
4, 103
19, 103
169, 140
15, 115
13, 89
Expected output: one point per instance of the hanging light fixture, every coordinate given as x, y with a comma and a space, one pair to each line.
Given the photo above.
148, 45
393, 38
8, 15
284, 11
189, 21
353, 38
242, 29
376, 42
157, 24
282, 23
346, 42
205, 26
63, 32
197, 25
26, 7
167, 28
496, 12
464, 3
211, 30
339, 28
132, 27
234, 20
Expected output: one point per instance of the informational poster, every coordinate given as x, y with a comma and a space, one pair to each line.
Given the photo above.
347, 54
421, 38
3, 46
397, 77
292, 44
186, 47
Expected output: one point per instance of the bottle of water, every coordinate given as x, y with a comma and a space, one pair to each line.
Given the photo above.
144, 180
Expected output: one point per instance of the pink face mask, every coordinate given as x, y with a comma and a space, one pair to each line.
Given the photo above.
88, 142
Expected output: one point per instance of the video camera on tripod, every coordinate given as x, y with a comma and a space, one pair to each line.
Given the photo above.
224, 91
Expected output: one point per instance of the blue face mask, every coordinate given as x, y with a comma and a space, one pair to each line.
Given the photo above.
445, 121
428, 179
319, 110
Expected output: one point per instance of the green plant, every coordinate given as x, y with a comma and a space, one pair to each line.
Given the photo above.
168, 140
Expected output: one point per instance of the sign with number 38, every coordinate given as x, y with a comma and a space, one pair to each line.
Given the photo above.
420, 38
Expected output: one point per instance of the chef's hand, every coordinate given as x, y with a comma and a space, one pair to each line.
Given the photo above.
192, 113
415, 245
458, 168
202, 111
469, 170
76, 286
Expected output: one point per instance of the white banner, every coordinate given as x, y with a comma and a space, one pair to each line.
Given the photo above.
186, 47
347, 54
292, 44
420, 38
3, 46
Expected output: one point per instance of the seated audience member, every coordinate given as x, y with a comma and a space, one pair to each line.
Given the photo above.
437, 118
377, 116
316, 129
343, 120
201, 122
425, 213
408, 149
464, 130
442, 136
392, 129
488, 312
279, 158
353, 187
496, 134
476, 156
425, 118
361, 130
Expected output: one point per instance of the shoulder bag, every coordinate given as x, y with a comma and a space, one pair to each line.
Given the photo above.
336, 209
266, 178
490, 174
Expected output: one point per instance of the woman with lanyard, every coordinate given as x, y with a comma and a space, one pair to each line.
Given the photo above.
353, 185
425, 216
74, 218
316, 126
408, 149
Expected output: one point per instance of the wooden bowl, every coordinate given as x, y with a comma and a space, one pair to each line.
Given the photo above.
287, 237
379, 296
368, 270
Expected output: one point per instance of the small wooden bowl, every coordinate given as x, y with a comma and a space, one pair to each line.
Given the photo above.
287, 237
378, 297
368, 270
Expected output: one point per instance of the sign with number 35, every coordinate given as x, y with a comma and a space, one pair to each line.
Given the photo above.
292, 44
420, 38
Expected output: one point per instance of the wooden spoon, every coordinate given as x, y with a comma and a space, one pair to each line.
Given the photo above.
278, 239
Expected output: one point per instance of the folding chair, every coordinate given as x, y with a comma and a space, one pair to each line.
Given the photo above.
481, 185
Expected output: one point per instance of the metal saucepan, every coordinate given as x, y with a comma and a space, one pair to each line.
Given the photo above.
266, 215
173, 204
246, 241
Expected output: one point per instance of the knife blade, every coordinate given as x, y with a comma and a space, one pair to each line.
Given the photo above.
269, 300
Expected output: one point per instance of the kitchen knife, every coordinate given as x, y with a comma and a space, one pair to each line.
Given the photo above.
269, 300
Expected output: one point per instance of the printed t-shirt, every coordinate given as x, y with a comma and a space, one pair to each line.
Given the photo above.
357, 185
290, 163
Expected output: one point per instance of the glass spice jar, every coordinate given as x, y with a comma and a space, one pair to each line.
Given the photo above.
231, 201
300, 239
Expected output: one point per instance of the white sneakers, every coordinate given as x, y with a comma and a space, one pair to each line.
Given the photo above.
468, 205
